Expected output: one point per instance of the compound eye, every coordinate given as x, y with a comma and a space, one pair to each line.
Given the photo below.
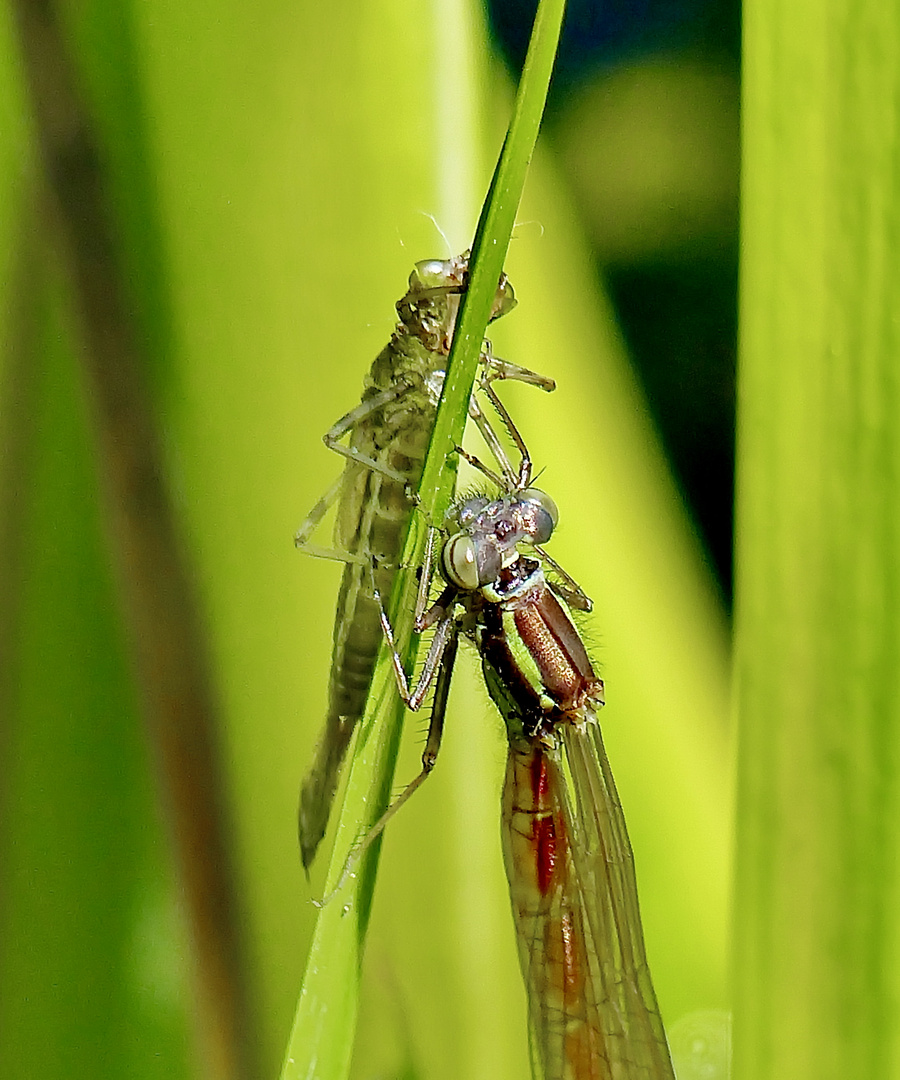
546, 514
504, 301
429, 274
469, 565
459, 561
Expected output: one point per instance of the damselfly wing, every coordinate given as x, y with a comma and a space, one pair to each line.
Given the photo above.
388, 437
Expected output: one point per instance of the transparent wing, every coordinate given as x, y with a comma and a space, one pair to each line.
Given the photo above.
606, 888
592, 1010
566, 1035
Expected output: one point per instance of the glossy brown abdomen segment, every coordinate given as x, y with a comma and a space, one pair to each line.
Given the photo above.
557, 650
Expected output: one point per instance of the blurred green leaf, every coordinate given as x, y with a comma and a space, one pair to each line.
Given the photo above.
818, 622
92, 954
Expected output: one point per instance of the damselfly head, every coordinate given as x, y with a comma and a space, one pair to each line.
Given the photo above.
436, 279
487, 533
529, 517
430, 305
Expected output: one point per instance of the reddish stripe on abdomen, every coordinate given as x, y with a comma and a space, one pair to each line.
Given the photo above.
543, 834
540, 781
545, 852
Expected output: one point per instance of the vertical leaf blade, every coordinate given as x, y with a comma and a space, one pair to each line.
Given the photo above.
818, 612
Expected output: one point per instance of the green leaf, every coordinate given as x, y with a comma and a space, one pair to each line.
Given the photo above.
818, 545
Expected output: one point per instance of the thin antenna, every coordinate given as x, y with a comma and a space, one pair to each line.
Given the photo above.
440, 231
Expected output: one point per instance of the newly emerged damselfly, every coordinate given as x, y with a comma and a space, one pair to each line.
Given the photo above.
388, 437
592, 1008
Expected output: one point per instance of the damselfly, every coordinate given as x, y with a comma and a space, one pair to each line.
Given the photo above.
388, 438
592, 1009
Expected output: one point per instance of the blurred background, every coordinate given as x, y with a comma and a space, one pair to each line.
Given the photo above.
644, 118
268, 176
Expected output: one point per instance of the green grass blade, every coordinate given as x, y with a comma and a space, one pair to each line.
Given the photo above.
322, 1037
488, 254
818, 573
